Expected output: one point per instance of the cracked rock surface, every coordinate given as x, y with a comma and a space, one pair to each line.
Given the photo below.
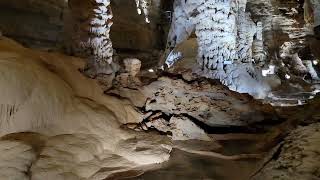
211, 104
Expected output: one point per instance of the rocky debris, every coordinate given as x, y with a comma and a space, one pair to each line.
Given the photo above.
179, 128
127, 83
212, 104
182, 128
298, 157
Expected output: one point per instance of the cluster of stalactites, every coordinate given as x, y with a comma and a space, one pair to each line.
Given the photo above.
91, 24
144, 6
225, 31
225, 35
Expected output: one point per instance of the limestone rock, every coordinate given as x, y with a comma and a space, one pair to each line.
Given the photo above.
183, 128
34, 23
299, 156
214, 105
44, 93
132, 66
15, 160
179, 128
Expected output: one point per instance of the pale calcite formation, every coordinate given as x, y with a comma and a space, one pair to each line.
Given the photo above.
46, 94
144, 6
91, 21
225, 35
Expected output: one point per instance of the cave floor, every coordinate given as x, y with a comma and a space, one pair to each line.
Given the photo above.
253, 151
186, 166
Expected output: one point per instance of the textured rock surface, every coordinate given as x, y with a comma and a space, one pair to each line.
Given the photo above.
46, 94
16, 159
312, 12
90, 23
183, 128
298, 158
213, 105
39, 24
179, 128
34, 23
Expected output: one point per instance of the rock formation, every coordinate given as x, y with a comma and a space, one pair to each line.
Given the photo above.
210, 104
225, 35
144, 6
38, 24
80, 127
298, 156
108, 112
91, 23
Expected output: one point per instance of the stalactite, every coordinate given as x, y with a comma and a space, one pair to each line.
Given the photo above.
144, 6
225, 35
91, 20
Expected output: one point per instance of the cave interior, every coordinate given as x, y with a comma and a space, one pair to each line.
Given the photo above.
159, 89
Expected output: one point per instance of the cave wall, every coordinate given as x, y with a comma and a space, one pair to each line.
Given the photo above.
130, 31
39, 24
33, 23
